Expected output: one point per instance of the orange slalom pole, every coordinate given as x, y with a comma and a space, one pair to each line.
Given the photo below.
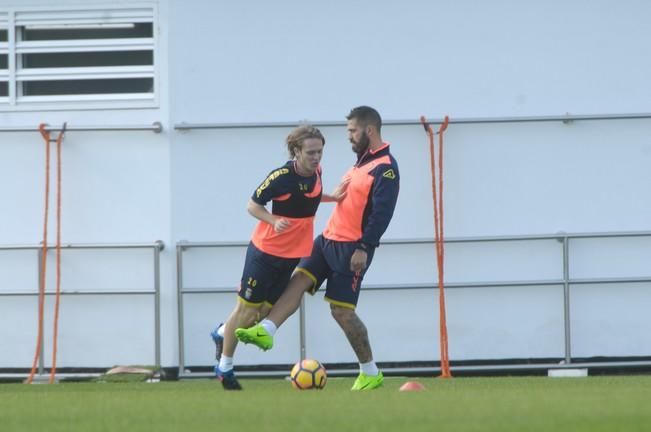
445, 371
41, 294
41, 285
437, 199
55, 326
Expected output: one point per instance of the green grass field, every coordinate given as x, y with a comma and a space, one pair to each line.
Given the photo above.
605, 403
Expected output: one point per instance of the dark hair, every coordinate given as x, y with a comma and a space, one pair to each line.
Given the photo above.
296, 138
366, 116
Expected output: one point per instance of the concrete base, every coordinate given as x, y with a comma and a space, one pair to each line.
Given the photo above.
567, 373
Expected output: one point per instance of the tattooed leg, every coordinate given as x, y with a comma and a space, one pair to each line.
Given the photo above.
355, 331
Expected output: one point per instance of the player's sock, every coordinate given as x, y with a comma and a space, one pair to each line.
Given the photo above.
220, 330
269, 326
225, 363
369, 368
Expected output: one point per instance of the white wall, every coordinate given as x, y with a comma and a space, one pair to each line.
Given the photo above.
115, 189
465, 59
266, 61
223, 62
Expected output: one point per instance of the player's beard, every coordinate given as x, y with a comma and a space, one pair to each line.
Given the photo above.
360, 146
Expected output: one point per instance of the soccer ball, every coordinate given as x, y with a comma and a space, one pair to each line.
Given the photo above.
308, 374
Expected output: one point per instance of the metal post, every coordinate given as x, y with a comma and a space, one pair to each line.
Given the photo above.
157, 249
41, 358
566, 300
301, 318
179, 303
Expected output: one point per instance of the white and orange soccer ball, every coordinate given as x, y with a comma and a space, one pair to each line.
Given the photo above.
308, 374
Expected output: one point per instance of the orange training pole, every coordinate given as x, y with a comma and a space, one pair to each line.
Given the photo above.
41, 285
437, 199
57, 302
41, 292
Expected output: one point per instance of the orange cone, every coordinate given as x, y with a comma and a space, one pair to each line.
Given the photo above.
412, 386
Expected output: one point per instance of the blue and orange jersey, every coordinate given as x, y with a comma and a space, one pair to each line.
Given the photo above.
295, 198
364, 214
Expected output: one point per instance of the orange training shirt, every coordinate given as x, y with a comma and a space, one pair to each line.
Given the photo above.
364, 214
294, 197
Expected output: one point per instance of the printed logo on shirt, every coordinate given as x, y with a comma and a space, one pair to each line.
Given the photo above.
389, 174
273, 176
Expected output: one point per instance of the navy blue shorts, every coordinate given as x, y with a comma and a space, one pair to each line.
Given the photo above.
265, 276
331, 260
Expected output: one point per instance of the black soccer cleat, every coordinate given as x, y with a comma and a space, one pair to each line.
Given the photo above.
228, 380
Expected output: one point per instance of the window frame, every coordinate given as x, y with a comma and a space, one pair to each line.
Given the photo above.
15, 19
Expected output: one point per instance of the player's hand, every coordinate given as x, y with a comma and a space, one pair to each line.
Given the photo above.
358, 260
280, 225
340, 191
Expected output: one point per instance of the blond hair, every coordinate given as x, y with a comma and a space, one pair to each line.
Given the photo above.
296, 138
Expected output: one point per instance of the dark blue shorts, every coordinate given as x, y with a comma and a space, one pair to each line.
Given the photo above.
265, 276
331, 260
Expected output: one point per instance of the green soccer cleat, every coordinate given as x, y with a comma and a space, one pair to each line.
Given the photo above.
257, 336
368, 382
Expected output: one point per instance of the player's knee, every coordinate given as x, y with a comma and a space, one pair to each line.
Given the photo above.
300, 282
341, 314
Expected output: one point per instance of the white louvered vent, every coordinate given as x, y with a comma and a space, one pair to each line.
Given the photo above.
78, 56
4, 58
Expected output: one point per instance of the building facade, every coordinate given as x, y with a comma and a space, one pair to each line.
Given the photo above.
176, 110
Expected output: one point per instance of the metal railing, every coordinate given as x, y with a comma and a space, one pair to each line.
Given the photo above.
156, 247
566, 282
564, 118
155, 127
